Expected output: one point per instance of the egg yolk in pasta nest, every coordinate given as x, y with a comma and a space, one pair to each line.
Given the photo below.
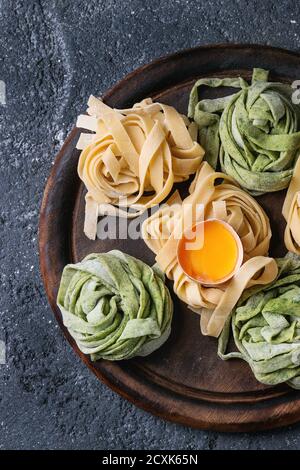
211, 252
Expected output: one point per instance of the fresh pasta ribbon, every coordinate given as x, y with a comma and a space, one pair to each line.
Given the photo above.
254, 133
266, 327
212, 322
229, 202
115, 306
133, 157
291, 212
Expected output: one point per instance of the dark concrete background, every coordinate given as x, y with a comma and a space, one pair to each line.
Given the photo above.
53, 54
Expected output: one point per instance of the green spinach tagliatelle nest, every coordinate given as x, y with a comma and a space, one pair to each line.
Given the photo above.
254, 133
115, 306
266, 327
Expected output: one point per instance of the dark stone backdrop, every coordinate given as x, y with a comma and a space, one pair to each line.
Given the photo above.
53, 54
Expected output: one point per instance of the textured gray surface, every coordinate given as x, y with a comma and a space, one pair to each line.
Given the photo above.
53, 54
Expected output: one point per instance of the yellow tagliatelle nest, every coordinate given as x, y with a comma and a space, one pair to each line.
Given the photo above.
134, 151
291, 212
225, 200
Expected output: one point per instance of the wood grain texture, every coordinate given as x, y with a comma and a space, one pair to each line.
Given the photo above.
184, 381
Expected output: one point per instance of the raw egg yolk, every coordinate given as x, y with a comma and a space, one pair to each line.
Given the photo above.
210, 252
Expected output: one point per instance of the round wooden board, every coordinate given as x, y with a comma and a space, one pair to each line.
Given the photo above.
184, 381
